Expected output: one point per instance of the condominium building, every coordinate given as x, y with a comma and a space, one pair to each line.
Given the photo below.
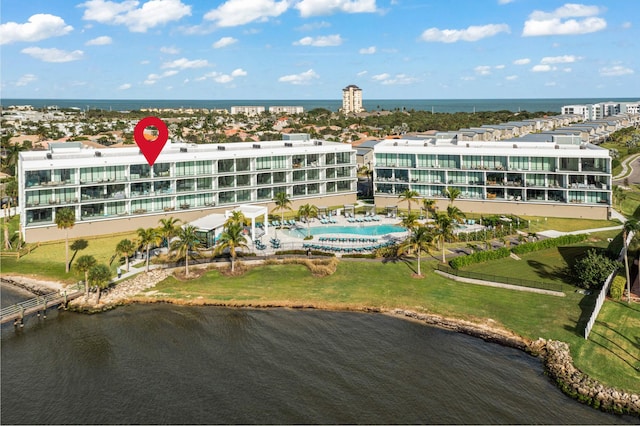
279, 109
560, 176
603, 109
115, 189
247, 110
352, 99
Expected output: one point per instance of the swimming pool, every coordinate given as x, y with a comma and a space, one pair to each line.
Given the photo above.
371, 230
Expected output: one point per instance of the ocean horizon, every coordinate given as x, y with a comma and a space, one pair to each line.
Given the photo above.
432, 105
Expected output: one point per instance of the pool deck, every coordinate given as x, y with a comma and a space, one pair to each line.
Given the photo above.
288, 242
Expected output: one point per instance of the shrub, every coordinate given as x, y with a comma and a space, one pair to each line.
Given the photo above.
617, 287
549, 243
478, 257
593, 269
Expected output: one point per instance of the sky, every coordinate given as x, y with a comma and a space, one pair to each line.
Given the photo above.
312, 49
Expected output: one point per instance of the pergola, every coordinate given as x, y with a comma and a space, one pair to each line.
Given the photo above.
349, 208
252, 212
391, 211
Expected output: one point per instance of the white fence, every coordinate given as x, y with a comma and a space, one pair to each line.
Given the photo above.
604, 291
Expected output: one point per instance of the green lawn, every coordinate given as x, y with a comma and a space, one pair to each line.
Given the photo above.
541, 223
47, 260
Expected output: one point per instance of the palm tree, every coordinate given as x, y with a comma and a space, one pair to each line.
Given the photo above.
168, 228
282, 203
65, 219
146, 238
410, 196
429, 205
126, 248
631, 225
455, 214
236, 217
306, 211
84, 264
232, 239
186, 242
444, 231
410, 221
100, 275
452, 194
420, 240
618, 195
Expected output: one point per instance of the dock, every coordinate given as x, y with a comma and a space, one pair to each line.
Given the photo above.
39, 304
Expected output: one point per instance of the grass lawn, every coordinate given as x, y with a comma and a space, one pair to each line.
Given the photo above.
390, 285
47, 261
540, 223
631, 205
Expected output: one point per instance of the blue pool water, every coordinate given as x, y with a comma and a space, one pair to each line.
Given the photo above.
357, 230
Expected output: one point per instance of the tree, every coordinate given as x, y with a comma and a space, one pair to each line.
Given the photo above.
231, 239
186, 242
11, 191
630, 226
84, 264
410, 221
444, 230
421, 239
455, 214
429, 206
65, 219
126, 248
452, 194
100, 275
282, 203
306, 211
146, 238
410, 196
168, 229
592, 269
236, 217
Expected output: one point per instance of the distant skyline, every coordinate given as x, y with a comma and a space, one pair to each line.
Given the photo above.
312, 49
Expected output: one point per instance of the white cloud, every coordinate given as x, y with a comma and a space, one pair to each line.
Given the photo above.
505, 1
184, 63
381, 77
511, 77
556, 23
550, 84
39, 27
302, 78
398, 79
565, 59
99, 41
320, 41
567, 69
542, 68
367, 50
467, 78
523, 61
233, 13
136, 19
170, 50
482, 70
153, 78
499, 67
222, 78
309, 8
472, 33
615, 71
313, 26
124, 86
26, 79
53, 54
224, 42
627, 25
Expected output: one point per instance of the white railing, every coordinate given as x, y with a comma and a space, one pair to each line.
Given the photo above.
605, 290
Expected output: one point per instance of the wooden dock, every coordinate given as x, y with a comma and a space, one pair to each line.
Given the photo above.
39, 304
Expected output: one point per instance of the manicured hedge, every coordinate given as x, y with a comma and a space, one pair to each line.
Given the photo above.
480, 256
549, 243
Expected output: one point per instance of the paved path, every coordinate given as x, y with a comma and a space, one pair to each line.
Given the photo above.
628, 164
500, 285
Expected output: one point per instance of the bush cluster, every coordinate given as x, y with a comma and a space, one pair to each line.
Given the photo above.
617, 287
549, 243
478, 257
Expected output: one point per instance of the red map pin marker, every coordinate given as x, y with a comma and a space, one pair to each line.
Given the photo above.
149, 145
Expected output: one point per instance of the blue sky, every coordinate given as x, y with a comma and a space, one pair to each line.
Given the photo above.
311, 49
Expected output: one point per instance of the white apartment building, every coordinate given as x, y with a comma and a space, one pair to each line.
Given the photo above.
600, 110
352, 99
114, 189
286, 109
247, 110
561, 178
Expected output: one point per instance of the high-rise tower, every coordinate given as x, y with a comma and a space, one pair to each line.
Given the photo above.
352, 99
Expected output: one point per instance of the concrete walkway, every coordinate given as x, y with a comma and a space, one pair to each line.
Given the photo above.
627, 167
500, 285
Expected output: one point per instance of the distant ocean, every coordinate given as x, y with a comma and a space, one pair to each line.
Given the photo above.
435, 105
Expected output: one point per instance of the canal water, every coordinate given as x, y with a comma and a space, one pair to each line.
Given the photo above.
166, 364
